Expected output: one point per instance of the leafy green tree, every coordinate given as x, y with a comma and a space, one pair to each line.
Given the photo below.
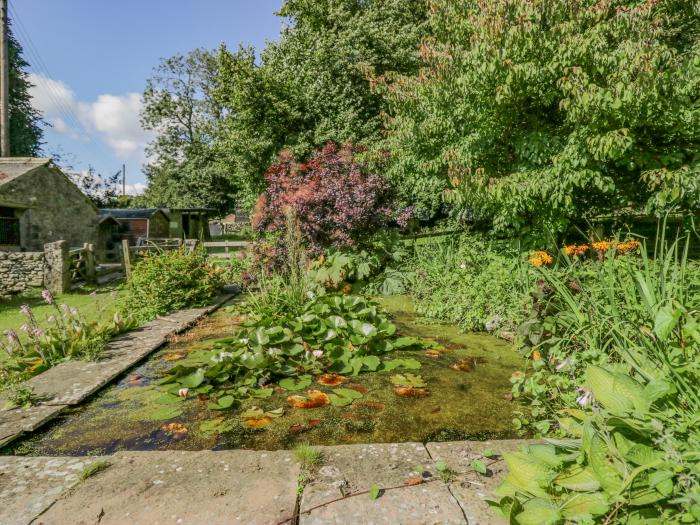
25, 121
533, 113
222, 118
179, 105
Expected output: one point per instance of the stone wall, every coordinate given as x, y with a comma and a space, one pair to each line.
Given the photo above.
20, 271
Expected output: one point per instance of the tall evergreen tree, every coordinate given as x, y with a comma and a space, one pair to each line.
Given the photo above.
25, 120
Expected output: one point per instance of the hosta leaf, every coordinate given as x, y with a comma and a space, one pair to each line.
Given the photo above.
601, 462
526, 473
616, 392
539, 511
580, 507
293, 384
578, 478
546, 454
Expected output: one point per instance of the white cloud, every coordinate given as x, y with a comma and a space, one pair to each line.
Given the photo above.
135, 189
114, 119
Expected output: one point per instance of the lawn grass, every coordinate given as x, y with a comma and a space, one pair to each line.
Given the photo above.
94, 304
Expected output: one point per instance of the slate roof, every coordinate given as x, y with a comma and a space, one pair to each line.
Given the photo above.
14, 167
131, 213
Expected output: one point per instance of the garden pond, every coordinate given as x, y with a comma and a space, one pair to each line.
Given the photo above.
462, 393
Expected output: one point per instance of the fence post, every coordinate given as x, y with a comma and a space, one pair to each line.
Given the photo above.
90, 272
126, 258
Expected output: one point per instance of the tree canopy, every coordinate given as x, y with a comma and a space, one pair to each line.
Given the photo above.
222, 117
533, 113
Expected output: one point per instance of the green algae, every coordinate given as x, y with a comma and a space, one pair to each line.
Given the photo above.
467, 402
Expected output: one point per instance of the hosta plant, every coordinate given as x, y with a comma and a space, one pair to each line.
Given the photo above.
334, 333
632, 455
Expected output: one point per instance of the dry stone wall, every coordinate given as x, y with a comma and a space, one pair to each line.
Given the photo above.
20, 271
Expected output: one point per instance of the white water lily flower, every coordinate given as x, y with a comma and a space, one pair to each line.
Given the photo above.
243, 340
183, 392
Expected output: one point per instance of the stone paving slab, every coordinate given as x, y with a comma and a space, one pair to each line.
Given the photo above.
471, 489
191, 488
16, 421
72, 382
28, 486
357, 467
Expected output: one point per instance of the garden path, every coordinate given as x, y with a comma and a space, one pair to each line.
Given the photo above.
255, 487
71, 382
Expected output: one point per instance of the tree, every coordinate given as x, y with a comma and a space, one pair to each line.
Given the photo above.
531, 114
103, 191
179, 105
229, 114
25, 121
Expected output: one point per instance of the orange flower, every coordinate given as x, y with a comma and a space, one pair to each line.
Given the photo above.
601, 246
540, 258
628, 247
516, 375
315, 399
576, 250
536, 356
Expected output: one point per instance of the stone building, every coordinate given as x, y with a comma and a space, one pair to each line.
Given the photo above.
40, 204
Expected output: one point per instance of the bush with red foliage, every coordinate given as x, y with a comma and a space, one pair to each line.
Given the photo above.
336, 201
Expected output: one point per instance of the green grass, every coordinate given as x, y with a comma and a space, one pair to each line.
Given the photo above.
98, 307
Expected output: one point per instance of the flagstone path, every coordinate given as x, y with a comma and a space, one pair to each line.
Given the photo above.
255, 487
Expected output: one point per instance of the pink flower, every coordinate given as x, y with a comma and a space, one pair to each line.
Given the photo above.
47, 297
183, 392
585, 399
318, 354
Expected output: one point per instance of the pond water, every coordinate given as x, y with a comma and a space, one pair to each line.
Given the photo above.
466, 398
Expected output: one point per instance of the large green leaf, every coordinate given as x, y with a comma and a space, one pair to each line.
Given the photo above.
578, 478
618, 393
602, 463
584, 506
192, 380
665, 321
294, 384
539, 511
527, 473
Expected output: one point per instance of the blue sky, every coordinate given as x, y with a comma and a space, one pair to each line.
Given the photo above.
90, 60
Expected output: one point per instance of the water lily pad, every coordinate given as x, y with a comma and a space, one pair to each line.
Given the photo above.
164, 412
293, 384
340, 401
410, 363
313, 399
409, 380
217, 425
347, 392
262, 393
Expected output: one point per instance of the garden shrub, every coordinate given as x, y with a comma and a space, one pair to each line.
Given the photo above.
336, 201
169, 281
468, 281
529, 114
614, 348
